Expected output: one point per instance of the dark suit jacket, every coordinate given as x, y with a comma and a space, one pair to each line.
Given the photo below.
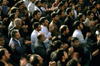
40, 49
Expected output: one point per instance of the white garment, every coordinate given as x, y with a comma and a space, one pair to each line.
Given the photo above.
36, 8
26, 2
11, 25
79, 35
75, 14
97, 32
31, 8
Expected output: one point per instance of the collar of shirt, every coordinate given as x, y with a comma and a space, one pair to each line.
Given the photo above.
18, 42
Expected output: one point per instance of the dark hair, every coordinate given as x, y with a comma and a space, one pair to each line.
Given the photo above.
98, 26
57, 44
1, 1
76, 7
18, 4
68, 10
74, 39
53, 14
42, 20
60, 53
1, 36
91, 7
36, 2
35, 12
39, 36
35, 25
34, 59
43, 1
13, 32
2, 52
63, 28
89, 12
13, 10
59, 11
12, 16
64, 1
60, 4
80, 15
76, 23
72, 62
55, 38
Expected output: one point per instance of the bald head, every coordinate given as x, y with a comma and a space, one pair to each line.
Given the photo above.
41, 36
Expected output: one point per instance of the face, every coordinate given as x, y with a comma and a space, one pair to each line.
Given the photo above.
94, 10
56, 18
72, 13
23, 4
7, 55
38, 15
79, 9
98, 6
20, 7
67, 30
65, 55
4, 2
17, 13
63, 7
44, 4
19, 24
39, 28
83, 18
75, 43
40, 60
80, 1
46, 22
39, 4
62, 14
66, 4
81, 26
17, 36
2, 41
43, 37
91, 16
23, 62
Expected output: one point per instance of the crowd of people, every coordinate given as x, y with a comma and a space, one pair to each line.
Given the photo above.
49, 32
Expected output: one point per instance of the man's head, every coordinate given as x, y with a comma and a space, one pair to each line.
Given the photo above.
80, 2
37, 3
64, 29
37, 26
19, 5
36, 60
90, 14
62, 55
2, 41
36, 14
61, 13
98, 27
78, 25
41, 37
56, 38
78, 8
15, 10
18, 23
58, 45
4, 2
43, 21
15, 34
61, 6
92, 7
73, 62
75, 41
81, 17
55, 17
4, 55
12, 16
70, 11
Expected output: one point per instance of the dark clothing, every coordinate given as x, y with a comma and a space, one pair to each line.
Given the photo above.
95, 60
69, 22
64, 39
2, 64
80, 50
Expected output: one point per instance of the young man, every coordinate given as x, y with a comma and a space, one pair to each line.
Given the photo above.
62, 57
4, 57
65, 38
55, 24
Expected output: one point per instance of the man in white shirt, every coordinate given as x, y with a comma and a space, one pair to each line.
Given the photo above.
78, 33
31, 7
44, 29
26, 2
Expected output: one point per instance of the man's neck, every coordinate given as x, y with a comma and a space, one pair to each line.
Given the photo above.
64, 34
79, 29
3, 61
36, 30
36, 18
63, 60
70, 15
4, 5
54, 21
